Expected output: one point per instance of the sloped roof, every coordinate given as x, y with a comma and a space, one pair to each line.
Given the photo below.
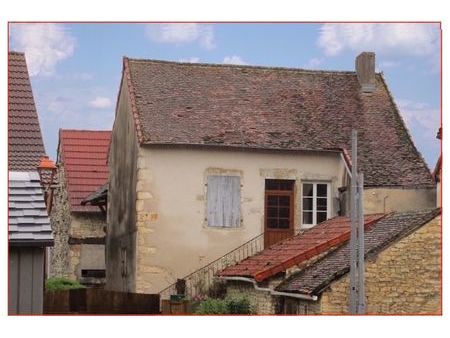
28, 219
296, 250
24, 134
84, 154
313, 279
273, 108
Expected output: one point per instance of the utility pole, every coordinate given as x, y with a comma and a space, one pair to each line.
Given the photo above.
357, 292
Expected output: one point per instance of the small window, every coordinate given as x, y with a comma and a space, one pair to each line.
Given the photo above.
94, 273
315, 203
224, 201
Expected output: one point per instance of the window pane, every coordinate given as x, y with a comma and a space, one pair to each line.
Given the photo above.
307, 204
272, 200
307, 217
284, 200
308, 190
321, 216
272, 223
286, 185
322, 204
223, 201
272, 212
272, 185
283, 223
284, 212
321, 190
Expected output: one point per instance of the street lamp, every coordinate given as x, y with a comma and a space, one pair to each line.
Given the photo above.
47, 171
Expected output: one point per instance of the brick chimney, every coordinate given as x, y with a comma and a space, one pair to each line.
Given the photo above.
365, 70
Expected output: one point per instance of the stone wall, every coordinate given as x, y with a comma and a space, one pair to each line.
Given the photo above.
405, 278
262, 302
60, 219
65, 258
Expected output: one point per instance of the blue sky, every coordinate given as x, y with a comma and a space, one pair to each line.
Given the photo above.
76, 68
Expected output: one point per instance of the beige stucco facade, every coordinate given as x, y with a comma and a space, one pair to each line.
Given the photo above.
385, 200
173, 238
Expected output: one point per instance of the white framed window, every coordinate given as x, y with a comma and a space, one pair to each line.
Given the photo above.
223, 199
315, 203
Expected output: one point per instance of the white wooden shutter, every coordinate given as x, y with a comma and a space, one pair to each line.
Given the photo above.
224, 201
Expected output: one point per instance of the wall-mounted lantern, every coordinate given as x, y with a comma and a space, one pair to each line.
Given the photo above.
47, 172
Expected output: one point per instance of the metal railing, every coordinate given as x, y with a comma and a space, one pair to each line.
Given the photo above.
198, 282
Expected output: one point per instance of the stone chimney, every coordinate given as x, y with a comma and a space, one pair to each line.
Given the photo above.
365, 70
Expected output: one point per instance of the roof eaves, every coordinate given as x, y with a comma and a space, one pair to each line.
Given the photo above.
131, 94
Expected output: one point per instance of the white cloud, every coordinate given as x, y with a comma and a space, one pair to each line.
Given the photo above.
387, 38
83, 76
234, 60
180, 33
44, 45
100, 102
192, 59
419, 115
314, 63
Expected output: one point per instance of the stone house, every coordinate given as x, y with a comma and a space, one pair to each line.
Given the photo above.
29, 231
79, 250
205, 158
308, 274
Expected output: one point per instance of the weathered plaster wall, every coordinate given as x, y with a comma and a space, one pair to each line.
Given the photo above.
121, 232
404, 278
397, 199
173, 238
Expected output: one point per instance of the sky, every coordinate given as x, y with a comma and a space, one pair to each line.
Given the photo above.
76, 68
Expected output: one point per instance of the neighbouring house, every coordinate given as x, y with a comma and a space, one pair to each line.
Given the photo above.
437, 173
79, 228
308, 274
29, 231
206, 159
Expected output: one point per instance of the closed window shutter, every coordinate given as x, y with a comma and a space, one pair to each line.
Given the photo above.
223, 201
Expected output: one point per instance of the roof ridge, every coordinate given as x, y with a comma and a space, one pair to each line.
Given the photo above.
15, 52
86, 130
254, 67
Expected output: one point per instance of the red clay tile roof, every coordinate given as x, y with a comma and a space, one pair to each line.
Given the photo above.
84, 154
273, 108
296, 250
24, 133
313, 279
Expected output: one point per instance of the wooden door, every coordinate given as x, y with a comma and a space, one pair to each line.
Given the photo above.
278, 211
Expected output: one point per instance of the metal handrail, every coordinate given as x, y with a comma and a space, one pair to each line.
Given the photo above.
203, 278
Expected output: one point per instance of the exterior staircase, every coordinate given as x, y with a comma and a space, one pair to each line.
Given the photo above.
200, 281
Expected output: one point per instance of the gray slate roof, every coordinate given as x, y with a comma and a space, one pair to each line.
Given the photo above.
315, 278
29, 223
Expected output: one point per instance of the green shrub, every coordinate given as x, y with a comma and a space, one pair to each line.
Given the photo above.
229, 305
58, 284
212, 306
238, 305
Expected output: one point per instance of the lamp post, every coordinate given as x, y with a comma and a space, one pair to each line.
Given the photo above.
47, 171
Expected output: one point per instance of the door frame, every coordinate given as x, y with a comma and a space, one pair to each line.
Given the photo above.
290, 230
